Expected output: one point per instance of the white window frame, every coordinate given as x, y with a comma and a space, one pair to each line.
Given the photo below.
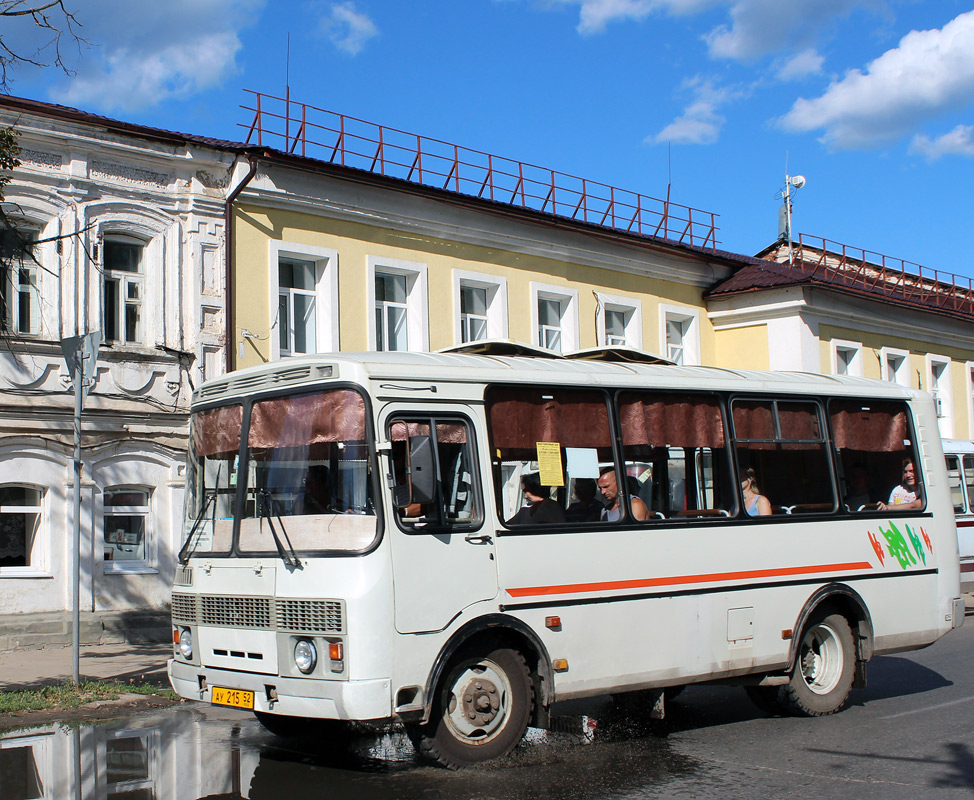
900, 376
691, 336
497, 319
568, 298
39, 555
942, 392
124, 279
13, 290
326, 293
40, 745
631, 307
137, 565
854, 363
417, 313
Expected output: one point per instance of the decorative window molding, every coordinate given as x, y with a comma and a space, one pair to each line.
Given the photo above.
846, 358
399, 322
554, 317
939, 385
321, 294
619, 321
470, 289
895, 365
679, 334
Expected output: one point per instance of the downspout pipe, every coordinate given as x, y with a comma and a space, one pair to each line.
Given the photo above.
228, 259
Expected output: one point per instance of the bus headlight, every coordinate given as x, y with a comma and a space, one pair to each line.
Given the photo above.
186, 644
305, 655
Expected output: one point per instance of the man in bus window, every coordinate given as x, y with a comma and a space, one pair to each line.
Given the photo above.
907, 496
614, 511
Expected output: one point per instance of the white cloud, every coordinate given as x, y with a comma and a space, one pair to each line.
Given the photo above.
348, 28
959, 142
760, 27
801, 65
595, 15
144, 53
928, 74
699, 123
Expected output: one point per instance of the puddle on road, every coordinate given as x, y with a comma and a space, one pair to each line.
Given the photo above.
190, 751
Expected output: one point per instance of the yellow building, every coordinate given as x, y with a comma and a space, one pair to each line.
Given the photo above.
378, 245
818, 306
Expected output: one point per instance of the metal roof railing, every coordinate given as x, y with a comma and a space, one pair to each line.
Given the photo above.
308, 131
837, 263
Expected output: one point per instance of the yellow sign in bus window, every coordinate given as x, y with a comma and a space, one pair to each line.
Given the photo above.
549, 464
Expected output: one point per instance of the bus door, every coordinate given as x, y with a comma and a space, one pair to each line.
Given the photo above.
442, 552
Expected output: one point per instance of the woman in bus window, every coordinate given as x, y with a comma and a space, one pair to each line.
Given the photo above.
907, 495
755, 503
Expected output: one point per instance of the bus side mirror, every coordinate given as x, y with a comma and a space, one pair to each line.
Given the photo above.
422, 472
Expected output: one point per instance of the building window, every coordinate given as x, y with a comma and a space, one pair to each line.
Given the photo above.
939, 387
896, 366
297, 324
618, 321
125, 524
20, 519
124, 284
847, 358
970, 399
473, 313
397, 293
19, 294
390, 312
681, 333
481, 303
555, 318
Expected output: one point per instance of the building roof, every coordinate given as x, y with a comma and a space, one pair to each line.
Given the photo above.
819, 262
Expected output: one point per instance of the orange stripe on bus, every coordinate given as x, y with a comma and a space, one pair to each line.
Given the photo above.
679, 580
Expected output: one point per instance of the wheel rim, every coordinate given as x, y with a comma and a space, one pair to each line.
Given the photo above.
821, 659
478, 702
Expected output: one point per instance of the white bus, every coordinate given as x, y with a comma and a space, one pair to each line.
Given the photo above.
356, 547
959, 454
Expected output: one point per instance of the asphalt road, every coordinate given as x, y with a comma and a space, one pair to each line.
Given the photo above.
908, 735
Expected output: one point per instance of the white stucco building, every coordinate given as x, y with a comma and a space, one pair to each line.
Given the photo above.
125, 231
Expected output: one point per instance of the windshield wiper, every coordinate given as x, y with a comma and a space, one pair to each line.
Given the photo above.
264, 511
186, 551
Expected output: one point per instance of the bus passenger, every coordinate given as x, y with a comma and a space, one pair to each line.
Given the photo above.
613, 511
317, 495
585, 508
539, 508
755, 503
907, 495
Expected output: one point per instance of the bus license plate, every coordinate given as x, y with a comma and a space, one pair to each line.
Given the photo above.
236, 698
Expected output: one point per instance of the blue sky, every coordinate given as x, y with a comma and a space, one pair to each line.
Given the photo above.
870, 100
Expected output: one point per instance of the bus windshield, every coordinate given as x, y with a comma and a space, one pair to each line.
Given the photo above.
307, 478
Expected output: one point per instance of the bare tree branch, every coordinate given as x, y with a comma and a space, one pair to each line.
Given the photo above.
60, 27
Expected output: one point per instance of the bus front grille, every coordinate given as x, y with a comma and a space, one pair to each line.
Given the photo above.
235, 612
311, 616
259, 613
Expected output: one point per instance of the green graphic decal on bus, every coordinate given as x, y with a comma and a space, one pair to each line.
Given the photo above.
899, 545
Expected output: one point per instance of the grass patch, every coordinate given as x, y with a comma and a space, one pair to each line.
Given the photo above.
69, 694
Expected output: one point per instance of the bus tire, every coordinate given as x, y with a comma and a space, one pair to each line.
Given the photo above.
481, 707
824, 669
302, 727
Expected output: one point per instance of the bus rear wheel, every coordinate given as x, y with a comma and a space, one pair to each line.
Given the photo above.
481, 707
823, 675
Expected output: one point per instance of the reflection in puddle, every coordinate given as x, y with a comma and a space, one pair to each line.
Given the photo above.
192, 751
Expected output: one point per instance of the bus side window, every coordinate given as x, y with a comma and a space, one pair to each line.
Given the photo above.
871, 440
432, 478
955, 482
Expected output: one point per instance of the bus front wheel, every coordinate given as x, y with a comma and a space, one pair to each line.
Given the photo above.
481, 707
